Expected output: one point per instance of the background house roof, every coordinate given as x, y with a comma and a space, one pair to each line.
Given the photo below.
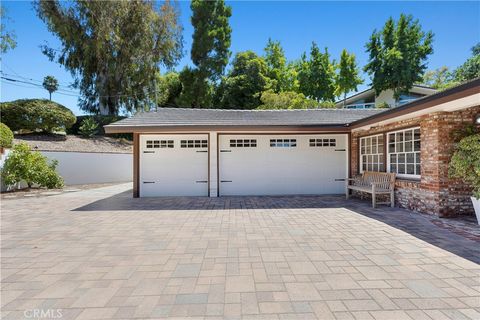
370, 92
218, 117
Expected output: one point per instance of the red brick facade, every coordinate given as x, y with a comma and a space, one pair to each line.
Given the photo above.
435, 192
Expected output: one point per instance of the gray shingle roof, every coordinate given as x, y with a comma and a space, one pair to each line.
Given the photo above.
218, 117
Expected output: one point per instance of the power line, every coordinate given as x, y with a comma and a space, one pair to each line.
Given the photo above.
20, 76
69, 93
30, 79
29, 86
65, 91
37, 85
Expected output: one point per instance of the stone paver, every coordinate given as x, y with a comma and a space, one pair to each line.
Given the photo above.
99, 254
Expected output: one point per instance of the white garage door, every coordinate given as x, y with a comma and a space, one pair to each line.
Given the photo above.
173, 165
282, 164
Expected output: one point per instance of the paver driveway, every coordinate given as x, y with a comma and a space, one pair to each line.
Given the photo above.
89, 256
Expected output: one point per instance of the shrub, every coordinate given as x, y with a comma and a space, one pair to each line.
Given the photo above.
465, 162
36, 115
383, 105
6, 136
88, 128
23, 164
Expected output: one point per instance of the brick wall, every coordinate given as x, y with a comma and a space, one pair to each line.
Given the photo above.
435, 192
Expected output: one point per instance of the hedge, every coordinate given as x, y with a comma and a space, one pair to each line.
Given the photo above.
36, 115
6, 136
102, 120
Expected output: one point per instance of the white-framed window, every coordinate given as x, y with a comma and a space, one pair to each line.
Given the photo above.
372, 153
403, 152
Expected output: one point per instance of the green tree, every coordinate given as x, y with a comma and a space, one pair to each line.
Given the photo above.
398, 54
471, 68
440, 78
316, 75
6, 136
23, 164
169, 88
272, 100
277, 66
7, 38
36, 115
210, 51
50, 84
196, 89
348, 77
247, 79
113, 48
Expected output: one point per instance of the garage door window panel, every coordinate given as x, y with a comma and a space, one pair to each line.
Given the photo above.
193, 143
283, 143
156, 144
323, 142
243, 143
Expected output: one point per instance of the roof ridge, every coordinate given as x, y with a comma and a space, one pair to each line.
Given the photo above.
262, 110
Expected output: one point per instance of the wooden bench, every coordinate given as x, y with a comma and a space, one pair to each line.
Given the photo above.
373, 183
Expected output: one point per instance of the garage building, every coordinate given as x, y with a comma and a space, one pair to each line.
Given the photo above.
207, 152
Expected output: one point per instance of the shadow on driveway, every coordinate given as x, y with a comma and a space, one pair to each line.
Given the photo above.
459, 236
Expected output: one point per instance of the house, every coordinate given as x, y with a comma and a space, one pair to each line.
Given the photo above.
206, 152
367, 98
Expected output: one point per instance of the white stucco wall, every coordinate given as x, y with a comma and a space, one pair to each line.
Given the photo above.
85, 168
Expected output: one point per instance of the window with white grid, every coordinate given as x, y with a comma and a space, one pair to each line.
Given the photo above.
404, 153
372, 153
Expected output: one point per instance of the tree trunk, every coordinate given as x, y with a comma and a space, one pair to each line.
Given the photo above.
50, 95
103, 107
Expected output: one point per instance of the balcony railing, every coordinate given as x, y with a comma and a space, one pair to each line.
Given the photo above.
368, 105
405, 101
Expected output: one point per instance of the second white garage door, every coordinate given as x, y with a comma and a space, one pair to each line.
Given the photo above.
282, 164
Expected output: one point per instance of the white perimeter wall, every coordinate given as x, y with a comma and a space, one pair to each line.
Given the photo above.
85, 168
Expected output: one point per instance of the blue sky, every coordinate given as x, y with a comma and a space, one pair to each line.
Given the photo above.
336, 25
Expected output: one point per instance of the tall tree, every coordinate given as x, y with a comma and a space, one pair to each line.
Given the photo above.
196, 89
210, 50
440, 78
277, 66
113, 49
7, 37
347, 78
471, 68
50, 84
398, 54
242, 87
316, 75
169, 87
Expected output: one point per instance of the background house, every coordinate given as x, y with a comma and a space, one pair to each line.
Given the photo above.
367, 99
